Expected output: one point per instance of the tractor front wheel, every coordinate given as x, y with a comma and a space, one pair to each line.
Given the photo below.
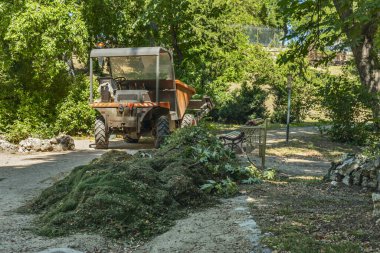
101, 133
162, 130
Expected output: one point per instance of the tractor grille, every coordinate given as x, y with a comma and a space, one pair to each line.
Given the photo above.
105, 95
127, 97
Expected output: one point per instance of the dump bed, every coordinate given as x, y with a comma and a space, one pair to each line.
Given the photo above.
184, 93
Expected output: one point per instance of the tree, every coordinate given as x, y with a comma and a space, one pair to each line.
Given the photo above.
38, 41
333, 25
207, 36
114, 21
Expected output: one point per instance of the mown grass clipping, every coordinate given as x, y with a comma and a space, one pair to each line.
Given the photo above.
119, 195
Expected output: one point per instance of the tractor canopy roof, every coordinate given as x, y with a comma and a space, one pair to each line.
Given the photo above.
132, 51
138, 63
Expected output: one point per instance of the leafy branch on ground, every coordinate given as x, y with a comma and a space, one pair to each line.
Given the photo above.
138, 196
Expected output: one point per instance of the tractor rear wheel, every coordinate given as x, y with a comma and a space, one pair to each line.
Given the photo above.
162, 130
188, 120
101, 133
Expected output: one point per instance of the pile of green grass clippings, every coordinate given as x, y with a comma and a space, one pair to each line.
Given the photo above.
124, 196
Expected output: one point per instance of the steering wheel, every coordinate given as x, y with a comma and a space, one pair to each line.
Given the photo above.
118, 81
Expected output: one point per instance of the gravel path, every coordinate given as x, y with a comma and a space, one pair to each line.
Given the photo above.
300, 164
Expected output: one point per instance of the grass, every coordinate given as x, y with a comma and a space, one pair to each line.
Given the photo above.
306, 215
274, 126
312, 145
221, 127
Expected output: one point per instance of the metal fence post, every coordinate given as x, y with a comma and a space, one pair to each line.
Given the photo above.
289, 100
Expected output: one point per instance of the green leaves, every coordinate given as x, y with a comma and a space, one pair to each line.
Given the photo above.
345, 101
327, 26
39, 40
47, 35
225, 187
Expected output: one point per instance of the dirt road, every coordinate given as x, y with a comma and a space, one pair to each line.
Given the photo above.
23, 176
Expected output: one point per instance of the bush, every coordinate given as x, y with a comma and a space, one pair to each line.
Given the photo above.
345, 101
372, 148
302, 97
243, 103
21, 130
43, 115
240, 90
75, 116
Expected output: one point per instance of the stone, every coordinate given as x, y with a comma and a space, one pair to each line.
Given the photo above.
268, 234
377, 163
365, 181
347, 180
346, 163
347, 168
7, 146
369, 166
30, 144
53, 141
376, 204
347, 156
46, 146
333, 176
266, 250
339, 177
357, 178
66, 142
356, 170
334, 183
372, 184
60, 250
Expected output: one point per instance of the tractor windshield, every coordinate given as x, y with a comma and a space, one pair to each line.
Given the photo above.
141, 67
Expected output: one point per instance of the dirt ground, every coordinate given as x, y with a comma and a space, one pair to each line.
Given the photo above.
307, 215
228, 227
299, 212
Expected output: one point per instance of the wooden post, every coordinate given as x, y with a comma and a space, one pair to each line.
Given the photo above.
264, 145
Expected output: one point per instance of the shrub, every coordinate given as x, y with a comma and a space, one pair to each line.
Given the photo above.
345, 101
31, 127
242, 104
302, 96
75, 116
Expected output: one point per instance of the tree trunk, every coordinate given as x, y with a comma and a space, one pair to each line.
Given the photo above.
365, 55
366, 61
176, 47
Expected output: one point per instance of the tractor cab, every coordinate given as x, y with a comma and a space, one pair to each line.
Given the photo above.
138, 93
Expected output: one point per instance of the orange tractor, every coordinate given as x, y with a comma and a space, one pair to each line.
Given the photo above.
139, 95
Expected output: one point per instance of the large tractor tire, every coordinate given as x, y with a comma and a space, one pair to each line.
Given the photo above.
162, 130
188, 120
101, 133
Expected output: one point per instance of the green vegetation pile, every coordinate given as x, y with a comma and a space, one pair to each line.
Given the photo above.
125, 196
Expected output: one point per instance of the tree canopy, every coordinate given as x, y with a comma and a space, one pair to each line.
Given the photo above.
333, 26
42, 41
